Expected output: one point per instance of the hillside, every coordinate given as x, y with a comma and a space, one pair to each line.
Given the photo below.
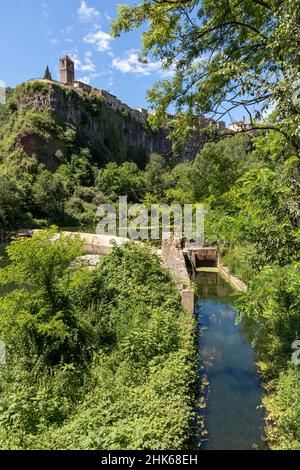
63, 152
47, 119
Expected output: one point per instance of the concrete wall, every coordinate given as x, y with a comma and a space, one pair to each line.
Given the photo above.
171, 255
173, 259
97, 244
234, 281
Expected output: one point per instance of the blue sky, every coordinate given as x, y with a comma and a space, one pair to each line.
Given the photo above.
36, 33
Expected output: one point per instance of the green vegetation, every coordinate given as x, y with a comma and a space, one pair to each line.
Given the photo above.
47, 74
228, 55
4, 111
95, 360
256, 218
58, 178
105, 359
252, 196
224, 54
273, 305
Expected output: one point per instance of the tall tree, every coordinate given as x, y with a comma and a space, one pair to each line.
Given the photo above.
225, 54
47, 75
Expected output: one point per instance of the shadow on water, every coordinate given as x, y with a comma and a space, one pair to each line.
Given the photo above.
233, 417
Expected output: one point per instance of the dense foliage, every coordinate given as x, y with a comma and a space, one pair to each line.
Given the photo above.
95, 360
251, 190
228, 55
105, 359
56, 179
257, 224
224, 54
256, 220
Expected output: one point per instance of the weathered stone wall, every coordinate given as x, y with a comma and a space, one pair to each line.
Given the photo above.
109, 133
82, 86
173, 259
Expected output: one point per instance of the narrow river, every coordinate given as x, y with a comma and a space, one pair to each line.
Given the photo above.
233, 416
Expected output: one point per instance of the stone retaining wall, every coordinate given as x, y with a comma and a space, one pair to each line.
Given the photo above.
234, 281
173, 259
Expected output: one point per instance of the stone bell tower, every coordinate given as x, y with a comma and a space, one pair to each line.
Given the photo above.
67, 70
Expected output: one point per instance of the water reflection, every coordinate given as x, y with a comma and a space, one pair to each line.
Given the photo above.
233, 417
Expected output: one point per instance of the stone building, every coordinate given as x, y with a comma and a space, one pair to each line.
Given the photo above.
82, 86
112, 101
67, 77
242, 126
67, 70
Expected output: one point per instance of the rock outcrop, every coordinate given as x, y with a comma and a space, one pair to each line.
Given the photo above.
61, 118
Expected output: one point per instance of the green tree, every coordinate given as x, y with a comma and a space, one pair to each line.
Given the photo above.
15, 191
219, 165
273, 303
157, 175
283, 404
47, 74
121, 180
49, 194
260, 210
10, 202
95, 360
225, 55
82, 169
180, 190
43, 322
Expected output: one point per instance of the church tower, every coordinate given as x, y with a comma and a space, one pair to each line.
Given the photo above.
67, 71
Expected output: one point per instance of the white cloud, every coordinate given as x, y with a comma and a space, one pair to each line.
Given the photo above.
86, 65
131, 64
100, 39
86, 79
87, 14
45, 9
89, 78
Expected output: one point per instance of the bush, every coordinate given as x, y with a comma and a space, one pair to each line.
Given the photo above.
96, 360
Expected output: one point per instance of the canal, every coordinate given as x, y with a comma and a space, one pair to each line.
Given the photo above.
233, 416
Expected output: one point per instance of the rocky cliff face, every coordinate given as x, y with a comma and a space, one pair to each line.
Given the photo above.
49, 119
